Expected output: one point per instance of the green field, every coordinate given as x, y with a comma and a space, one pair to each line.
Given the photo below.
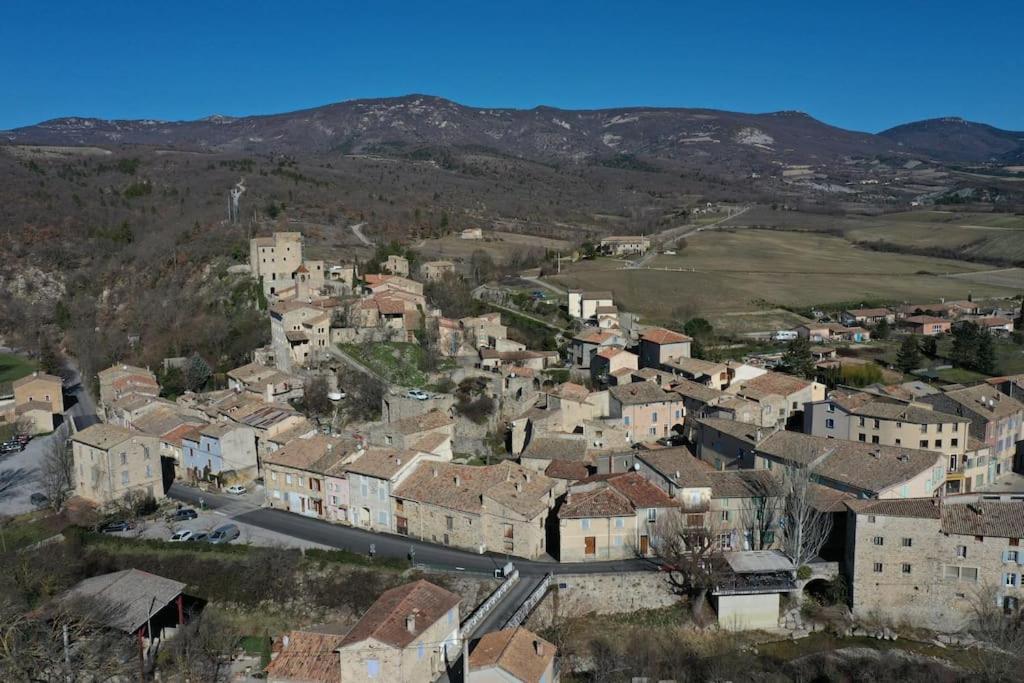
751, 270
397, 362
14, 367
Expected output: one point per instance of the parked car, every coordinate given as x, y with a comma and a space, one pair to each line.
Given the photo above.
11, 447
198, 536
182, 515
337, 395
116, 527
181, 535
236, 489
224, 534
38, 499
417, 394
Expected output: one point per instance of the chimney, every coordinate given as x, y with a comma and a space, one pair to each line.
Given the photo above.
458, 481
538, 647
519, 487
410, 623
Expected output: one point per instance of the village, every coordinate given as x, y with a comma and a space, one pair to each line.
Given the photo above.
745, 487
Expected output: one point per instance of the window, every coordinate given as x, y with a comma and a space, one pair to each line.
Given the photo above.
725, 515
878, 540
277, 494
1010, 580
830, 423
874, 438
861, 422
654, 417
923, 443
652, 515
905, 491
420, 651
938, 443
617, 541
952, 463
625, 420
830, 407
905, 568
288, 479
862, 437
876, 424
382, 494
908, 542
1010, 556
872, 519
924, 429
899, 442
585, 524
954, 442
620, 523
372, 668
961, 551
124, 458
725, 541
449, 523
149, 471
877, 568
124, 478
382, 516
969, 574
273, 476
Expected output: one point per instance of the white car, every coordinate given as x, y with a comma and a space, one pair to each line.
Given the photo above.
336, 395
418, 394
181, 536
236, 489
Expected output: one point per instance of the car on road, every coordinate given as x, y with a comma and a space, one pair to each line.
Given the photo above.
182, 515
198, 536
224, 534
181, 535
116, 527
337, 395
417, 394
38, 499
236, 489
11, 447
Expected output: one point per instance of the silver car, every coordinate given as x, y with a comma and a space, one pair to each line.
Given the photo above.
224, 534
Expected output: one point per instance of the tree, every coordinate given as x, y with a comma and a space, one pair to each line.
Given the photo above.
365, 394
760, 518
688, 553
203, 650
1018, 324
57, 473
985, 357
1002, 633
50, 359
908, 357
965, 344
481, 266
314, 396
798, 359
197, 373
805, 528
883, 329
930, 346
699, 328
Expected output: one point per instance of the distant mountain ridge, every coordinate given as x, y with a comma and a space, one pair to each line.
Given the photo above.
402, 124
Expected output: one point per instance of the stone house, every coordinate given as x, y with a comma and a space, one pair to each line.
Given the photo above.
472, 234
659, 345
265, 381
121, 379
372, 478
417, 433
609, 365
492, 359
275, 259
300, 331
708, 373
610, 517
589, 341
513, 655
499, 508
297, 473
583, 305
432, 271
620, 245
111, 461
727, 444
783, 393
866, 316
410, 634
40, 387
169, 426
997, 421
220, 451
859, 416
396, 265
932, 562
645, 410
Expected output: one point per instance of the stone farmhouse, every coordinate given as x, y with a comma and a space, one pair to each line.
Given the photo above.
111, 462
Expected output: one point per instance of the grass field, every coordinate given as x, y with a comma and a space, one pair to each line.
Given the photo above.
754, 270
14, 367
500, 245
397, 362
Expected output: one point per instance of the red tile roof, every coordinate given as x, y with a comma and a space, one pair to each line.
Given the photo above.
660, 335
386, 623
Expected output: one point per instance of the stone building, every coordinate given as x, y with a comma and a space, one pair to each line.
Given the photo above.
372, 477
933, 562
513, 655
110, 462
499, 508
646, 411
430, 432
297, 473
431, 271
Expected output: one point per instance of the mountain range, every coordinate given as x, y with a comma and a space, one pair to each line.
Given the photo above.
401, 125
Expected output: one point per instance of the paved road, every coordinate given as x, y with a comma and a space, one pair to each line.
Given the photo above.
668, 238
386, 545
508, 606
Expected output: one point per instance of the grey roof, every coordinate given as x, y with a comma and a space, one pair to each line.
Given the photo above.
739, 430
743, 484
984, 400
697, 391
988, 518
572, 448
131, 595
755, 561
639, 393
104, 436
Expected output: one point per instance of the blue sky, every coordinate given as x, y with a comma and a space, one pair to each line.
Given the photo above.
862, 65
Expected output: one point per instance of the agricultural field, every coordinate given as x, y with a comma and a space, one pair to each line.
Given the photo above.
749, 270
14, 367
501, 246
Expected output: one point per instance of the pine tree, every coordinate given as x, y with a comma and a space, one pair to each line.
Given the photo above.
909, 356
985, 360
883, 328
197, 373
965, 344
930, 347
798, 359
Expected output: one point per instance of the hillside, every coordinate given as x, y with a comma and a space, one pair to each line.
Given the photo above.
953, 139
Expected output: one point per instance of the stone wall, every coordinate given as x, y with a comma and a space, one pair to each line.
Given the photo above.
574, 595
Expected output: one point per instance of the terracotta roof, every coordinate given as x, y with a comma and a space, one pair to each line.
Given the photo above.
984, 518
516, 355
37, 377
660, 335
386, 620
430, 442
462, 487
869, 312
993, 321
415, 424
522, 654
315, 454
173, 437
868, 405
696, 390
568, 469
640, 492
924, 320
775, 383
380, 463
570, 392
309, 656
601, 501
640, 393
669, 461
611, 352
918, 508
595, 336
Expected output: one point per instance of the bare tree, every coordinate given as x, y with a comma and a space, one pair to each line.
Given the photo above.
805, 528
203, 649
57, 473
1002, 631
688, 548
762, 511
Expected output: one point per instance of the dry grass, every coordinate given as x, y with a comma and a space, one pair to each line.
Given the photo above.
499, 245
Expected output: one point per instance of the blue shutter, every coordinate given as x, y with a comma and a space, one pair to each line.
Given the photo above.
1006, 556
